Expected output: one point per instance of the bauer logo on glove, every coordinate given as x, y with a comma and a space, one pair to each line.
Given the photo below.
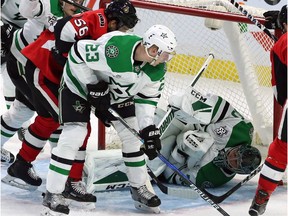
98, 94
152, 143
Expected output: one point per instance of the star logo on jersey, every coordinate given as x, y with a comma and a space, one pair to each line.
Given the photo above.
119, 91
79, 107
112, 51
137, 69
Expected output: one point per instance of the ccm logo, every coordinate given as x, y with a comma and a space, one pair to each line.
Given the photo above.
198, 95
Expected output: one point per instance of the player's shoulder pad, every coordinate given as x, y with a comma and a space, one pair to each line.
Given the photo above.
155, 73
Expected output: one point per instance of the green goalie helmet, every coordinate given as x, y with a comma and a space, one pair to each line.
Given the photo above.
123, 12
240, 159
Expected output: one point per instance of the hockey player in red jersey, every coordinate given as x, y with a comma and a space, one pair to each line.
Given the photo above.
276, 161
40, 15
43, 75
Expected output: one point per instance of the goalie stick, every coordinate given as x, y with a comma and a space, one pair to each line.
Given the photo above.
172, 191
200, 192
253, 20
219, 199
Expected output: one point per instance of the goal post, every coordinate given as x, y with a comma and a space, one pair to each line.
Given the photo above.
241, 70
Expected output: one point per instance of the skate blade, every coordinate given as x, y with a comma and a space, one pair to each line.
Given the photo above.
146, 208
82, 205
48, 212
16, 182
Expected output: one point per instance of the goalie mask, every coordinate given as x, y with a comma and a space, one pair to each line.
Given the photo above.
123, 12
240, 159
163, 38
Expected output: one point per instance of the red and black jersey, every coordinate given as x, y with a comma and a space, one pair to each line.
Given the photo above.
87, 25
278, 58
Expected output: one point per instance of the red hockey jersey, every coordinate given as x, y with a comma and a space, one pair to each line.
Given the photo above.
87, 25
279, 69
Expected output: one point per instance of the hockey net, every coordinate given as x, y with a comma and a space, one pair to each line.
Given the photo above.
240, 71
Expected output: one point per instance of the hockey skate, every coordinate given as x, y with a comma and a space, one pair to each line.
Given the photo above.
54, 205
145, 200
22, 175
6, 157
76, 191
259, 203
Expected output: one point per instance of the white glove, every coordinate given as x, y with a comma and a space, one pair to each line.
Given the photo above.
193, 106
194, 144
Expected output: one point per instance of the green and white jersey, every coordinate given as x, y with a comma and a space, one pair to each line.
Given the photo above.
39, 18
110, 58
228, 129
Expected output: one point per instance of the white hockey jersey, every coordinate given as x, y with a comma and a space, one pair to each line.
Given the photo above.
110, 58
10, 14
39, 18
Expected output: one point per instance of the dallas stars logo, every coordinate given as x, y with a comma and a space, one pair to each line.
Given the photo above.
79, 107
119, 91
112, 51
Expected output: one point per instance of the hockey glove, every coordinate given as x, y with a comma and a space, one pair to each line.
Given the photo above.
152, 143
98, 95
271, 20
6, 38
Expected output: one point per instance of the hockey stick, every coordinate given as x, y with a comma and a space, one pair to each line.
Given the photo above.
167, 119
200, 192
77, 5
253, 20
219, 199
172, 191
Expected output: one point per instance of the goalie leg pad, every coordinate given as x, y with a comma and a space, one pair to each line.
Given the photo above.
105, 170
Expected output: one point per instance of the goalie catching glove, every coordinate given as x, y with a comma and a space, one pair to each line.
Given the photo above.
98, 95
152, 143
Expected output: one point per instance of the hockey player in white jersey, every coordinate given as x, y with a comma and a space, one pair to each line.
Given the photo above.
11, 19
123, 71
40, 15
214, 144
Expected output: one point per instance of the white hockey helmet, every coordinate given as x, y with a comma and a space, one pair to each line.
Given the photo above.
163, 38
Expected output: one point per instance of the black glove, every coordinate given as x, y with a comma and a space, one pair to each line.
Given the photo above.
271, 20
6, 38
105, 117
98, 95
152, 143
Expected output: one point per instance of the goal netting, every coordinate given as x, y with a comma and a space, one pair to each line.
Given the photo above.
240, 71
